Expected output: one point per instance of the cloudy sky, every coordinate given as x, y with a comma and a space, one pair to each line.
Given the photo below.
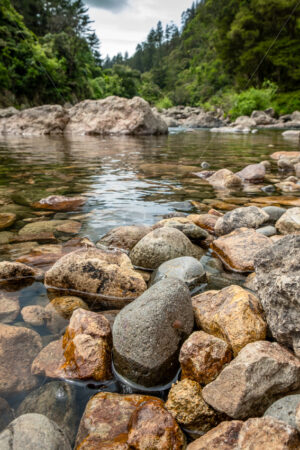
122, 24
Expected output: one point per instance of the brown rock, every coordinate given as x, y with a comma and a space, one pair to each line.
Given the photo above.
254, 173
35, 315
261, 372
15, 271
232, 314
18, 347
100, 275
9, 307
238, 249
94, 442
297, 417
124, 237
278, 200
186, 404
268, 433
153, 427
206, 221
107, 416
203, 356
224, 179
59, 203
6, 220
49, 361
65, 306
289, 222
223, 437
278, 155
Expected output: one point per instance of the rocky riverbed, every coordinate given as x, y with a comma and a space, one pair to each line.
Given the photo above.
180, 333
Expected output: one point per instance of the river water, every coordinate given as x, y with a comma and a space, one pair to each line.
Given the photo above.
125, 180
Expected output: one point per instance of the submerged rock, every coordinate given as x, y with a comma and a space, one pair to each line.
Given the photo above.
148, 333
18, 348
115, 115
248, 217
237, 250
162, 245
278, 286
203, 356
225, 179
260, 373
33, 432
9, 307
254, 173
55, 226
59, 203
99, 272
34, 315
232, 314
187, 269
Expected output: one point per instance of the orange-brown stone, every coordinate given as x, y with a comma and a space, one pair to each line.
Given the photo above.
206, 221
59, 203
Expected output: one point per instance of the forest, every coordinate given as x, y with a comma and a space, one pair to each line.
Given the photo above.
239, 55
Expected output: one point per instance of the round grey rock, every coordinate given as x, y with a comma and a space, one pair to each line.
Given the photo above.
148, 333
33, 432
267, 231
285, 409
249, 217
274, 212
186, 268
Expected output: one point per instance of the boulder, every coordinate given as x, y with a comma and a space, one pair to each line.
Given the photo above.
254, 173
289, 222
33, 432
97, 275
125, 237
18, 348
223, 437
153, 427
15, 271
245, 122
114, 115
232, 314
187, 406
262, 118
225, 179
107, 416
6, 220
46, 119
285, 409
278, 284
9, 307
162, 245
268, 433
59, 203
186, 268
148, 333
6, 414
238, 249
55, 400
203, 356
262, 372
247, 217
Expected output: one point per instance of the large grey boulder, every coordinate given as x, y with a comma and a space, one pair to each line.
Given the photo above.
162, 245
148, 333
186, 268
249, 217
33, 432
56, 400
115, 115
278, 285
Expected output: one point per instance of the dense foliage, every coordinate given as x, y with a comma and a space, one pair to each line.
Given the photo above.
237, 54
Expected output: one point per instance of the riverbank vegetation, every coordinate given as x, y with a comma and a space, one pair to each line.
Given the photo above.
237, 55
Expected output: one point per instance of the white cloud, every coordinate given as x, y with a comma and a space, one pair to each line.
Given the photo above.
122, 30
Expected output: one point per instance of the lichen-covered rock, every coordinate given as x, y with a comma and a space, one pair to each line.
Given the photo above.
223, 437
99, 272
232, 314
238, 249
186, 268
33, 432
18, 348
186, 404
115, 115
162, 245
260, 373
278, 285
289, 222
59, 203
225, 179
203, 356
15, 271
65, 306
55, 400
153, 427
248, 217
125, 237
148, 333
254, 173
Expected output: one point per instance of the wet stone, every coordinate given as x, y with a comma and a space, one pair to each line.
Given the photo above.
9, 307
66, 305
34, 315
223, 437
15, 271
125, 237
6, 220
59, 203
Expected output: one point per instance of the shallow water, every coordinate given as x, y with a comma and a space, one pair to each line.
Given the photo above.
126, 181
